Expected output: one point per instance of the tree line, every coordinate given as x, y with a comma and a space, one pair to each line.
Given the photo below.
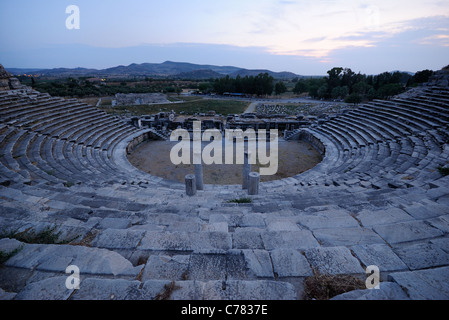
259, 85
339, 84
345, 84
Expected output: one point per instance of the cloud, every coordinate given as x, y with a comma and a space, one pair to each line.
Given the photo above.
317, 28
440, 40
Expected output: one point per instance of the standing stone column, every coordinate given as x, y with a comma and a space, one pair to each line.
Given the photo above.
198, 171
253, 183
246, 169
190, 185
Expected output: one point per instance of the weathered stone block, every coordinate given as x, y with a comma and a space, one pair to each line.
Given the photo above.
217, 266
166, 268
259, 263
108, 289
388, 291
426, 211
346, 236
407, 231
114, 223
118, 239
247, 238
8, 246
422, 255
48, 289
379, 255
370, 218
302, 239
188, 241
333, 261
290, 263
282, 225
249, 290
327, 219
56, 258
424, 284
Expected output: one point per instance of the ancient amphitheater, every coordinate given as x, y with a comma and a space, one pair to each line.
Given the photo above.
376, 199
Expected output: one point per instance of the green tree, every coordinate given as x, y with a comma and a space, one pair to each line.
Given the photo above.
340, 92
348, 78
205, 87
335, 76
371, 94
360, 87
354, 98
301, 86
421, 77
389, 90
315, 85
280, 88
323, 91
260, 85
263, 84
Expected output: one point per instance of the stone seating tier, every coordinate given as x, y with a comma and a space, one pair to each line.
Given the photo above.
375, 199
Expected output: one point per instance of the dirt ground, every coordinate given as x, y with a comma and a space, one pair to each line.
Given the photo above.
153, 157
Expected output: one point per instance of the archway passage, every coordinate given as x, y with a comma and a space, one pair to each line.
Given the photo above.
153, 157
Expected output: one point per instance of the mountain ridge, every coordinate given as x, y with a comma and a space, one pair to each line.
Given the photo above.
169, 69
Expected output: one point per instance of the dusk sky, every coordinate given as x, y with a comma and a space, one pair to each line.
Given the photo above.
307, 37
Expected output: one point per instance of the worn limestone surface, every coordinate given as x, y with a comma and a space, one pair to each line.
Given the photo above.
69, 197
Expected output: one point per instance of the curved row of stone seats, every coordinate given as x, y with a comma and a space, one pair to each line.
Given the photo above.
410, 115
9, 159
23, 105
399, 124
16, 158
63, 114
421, 112
429, 105
57, 140
357, 153
436, 92
389, 136
13, 98
385, 125
38, 110
77, 164
52, 122
335, 155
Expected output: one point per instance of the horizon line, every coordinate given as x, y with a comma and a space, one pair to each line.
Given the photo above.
198, 64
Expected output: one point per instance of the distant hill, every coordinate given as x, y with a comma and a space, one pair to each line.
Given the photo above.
18, 71
168, 69
276, 75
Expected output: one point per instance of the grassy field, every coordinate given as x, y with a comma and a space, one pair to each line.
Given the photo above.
190, 107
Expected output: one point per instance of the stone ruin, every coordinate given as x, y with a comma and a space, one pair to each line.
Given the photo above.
378, 198
166, 122
440, 78
7, 81
140, 98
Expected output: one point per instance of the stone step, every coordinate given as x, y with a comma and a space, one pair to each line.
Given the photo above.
120, 289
